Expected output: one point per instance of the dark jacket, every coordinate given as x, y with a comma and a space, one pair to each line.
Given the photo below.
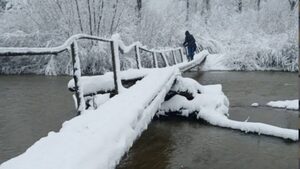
189, 41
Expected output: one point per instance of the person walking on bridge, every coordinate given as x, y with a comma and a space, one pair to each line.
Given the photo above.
190, 43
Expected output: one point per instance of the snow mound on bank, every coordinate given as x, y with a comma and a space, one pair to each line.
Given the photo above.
212, 106
287, 104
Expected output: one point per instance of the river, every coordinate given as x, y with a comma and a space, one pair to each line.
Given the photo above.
31, 106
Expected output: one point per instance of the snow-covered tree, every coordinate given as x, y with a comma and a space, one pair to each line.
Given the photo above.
258, 31
2, 5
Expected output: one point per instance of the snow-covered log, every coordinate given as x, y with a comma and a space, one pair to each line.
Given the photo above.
210, 104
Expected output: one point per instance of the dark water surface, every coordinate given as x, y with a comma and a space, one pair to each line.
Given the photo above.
186, 144
31, 106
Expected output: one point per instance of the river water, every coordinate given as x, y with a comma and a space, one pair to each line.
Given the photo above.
31, 106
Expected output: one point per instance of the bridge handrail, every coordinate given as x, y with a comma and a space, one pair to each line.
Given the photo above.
117, 45
15, 51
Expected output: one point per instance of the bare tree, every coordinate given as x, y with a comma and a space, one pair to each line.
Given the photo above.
101, 9
187, 10
205, 7
94, 16
258, 4
79, 16
90, 17
292, 4
240, 5
207, 4
206, 10
115, 10
139, 9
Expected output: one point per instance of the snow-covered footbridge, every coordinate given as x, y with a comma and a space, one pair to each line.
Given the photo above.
115, 108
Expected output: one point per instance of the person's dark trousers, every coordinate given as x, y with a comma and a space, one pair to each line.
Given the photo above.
190, 53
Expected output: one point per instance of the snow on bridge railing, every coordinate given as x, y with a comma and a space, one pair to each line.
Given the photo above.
162, 53
116, 44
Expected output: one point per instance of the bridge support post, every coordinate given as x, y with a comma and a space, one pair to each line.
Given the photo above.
174, 57
113, 54
186, 53
155, 60
138, 57
165, 59
76, 75
181, 54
